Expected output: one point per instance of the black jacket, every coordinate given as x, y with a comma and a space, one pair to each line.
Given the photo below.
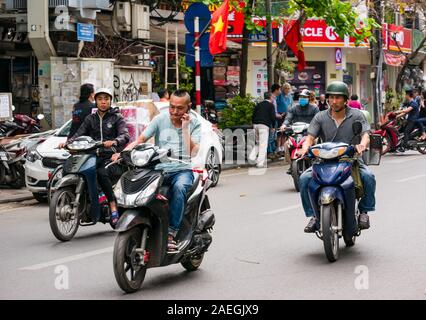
80, 111
264, 113
109, 128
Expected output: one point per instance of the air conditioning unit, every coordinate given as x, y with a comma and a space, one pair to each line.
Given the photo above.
123, 14
140, 21
86, 4
16, 4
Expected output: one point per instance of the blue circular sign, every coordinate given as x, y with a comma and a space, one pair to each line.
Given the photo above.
200, 10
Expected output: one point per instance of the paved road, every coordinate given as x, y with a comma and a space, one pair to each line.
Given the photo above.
259, 249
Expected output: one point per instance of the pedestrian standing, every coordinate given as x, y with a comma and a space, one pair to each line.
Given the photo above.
263, 120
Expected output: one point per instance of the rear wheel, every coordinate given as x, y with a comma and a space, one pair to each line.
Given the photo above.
295, 174
192, 263
20, 177
63, 222
128, 272
329, 232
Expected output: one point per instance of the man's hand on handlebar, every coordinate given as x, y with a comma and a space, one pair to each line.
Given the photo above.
360, 148
109, 144
115, 157
61, 145
282, 128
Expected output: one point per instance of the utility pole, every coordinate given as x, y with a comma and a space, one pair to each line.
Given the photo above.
269, 43
377, 61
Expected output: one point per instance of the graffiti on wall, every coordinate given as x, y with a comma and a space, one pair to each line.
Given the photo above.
131, 84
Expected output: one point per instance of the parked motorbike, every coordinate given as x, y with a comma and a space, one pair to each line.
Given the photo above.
12, 159
296, 137
76, 198
393, 137
143, 226
209, 112
332, 193
21, 124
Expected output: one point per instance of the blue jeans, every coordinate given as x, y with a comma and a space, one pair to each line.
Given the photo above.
179, 183
271, 142
366, 204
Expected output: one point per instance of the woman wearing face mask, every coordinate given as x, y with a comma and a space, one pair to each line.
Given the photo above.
301, 112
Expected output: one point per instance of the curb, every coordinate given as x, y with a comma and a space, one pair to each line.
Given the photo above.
17, 199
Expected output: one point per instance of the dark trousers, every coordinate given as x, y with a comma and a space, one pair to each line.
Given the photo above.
410, 127
104, 179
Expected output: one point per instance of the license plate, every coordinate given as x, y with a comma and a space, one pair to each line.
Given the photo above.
3, 156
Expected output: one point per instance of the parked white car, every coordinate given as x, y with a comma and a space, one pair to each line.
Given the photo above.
44, 159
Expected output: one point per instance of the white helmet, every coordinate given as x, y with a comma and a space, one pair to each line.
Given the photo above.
104, 90
304, 93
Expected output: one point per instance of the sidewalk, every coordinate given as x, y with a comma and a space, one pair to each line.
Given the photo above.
13, 195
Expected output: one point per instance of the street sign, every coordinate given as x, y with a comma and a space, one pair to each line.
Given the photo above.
206, 59
200, 10
85, 32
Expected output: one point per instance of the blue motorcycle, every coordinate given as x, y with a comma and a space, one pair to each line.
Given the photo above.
332, 193
77, 199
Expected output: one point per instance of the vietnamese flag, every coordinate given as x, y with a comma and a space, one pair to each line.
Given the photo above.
219, 29
293, 38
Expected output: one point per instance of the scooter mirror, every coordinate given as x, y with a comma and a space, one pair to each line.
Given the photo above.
40, 116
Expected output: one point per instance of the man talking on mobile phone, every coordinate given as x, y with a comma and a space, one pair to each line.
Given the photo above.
178, 131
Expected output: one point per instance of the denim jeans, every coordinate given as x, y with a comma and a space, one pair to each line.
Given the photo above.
179, 183
271, 142
366, 204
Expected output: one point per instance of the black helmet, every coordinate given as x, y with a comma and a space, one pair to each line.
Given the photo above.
337, 88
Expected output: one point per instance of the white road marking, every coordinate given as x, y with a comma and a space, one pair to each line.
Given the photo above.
246, 172
412, 178
282, 210
67, 259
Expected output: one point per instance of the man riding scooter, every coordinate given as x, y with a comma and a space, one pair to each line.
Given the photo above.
180, 132
108, 126
302, 112
335, 125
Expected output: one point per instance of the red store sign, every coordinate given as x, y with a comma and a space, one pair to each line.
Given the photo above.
397, 36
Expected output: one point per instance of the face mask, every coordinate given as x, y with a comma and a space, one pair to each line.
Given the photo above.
303, 101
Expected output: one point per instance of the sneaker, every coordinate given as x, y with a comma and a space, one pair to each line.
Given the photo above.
364, 221
171, 244
311, 226
288, 171
114, 218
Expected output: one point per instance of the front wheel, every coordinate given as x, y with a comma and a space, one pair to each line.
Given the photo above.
63, 222
329, 232
213, 167
386, 144
295, 174
422, 149
128, 271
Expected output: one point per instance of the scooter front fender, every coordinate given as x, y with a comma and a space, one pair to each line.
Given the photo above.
132, 218
68, 180
329, 194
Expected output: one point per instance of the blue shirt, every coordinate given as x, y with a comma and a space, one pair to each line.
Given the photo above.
413, 114
284, 102
167, 136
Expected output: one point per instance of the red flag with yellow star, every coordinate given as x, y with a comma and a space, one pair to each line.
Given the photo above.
219, 29
293, 38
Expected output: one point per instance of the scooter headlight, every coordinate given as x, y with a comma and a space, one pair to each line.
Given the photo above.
329, 154
147, 193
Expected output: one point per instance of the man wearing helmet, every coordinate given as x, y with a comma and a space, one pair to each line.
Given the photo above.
106, 125
335, 125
